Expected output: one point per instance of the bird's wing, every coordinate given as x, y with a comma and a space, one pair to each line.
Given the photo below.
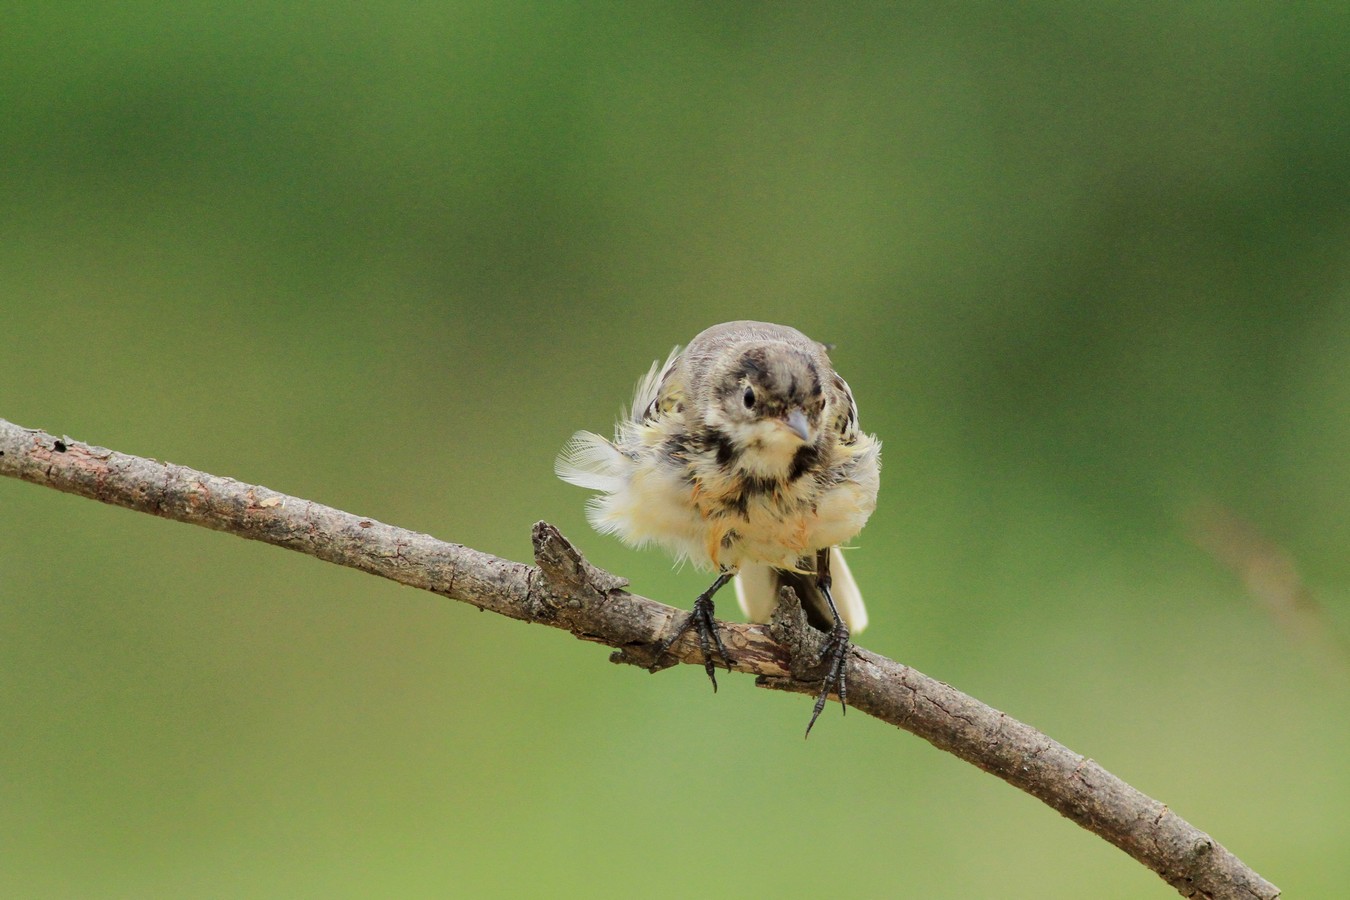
590, 461
658, 390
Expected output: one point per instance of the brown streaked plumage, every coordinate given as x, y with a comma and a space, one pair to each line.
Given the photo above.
742, 454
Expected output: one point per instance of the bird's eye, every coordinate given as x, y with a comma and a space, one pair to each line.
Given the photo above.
749, 398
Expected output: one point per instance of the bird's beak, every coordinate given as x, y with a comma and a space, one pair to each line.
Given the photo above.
797, 424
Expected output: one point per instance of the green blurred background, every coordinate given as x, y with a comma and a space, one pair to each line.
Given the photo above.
1087, 267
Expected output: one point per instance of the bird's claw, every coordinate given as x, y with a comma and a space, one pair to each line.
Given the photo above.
700, 619
834, 657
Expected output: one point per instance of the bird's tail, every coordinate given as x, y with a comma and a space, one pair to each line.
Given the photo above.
757, 591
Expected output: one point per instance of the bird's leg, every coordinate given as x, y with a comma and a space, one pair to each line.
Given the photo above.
701, 619
835, 649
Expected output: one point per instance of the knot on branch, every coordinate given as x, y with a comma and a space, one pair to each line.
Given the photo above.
562, 564
788, 626
565, 579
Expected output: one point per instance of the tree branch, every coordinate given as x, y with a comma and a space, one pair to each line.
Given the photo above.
565, 591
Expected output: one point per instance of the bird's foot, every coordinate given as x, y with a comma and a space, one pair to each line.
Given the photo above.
834, 657
700, 619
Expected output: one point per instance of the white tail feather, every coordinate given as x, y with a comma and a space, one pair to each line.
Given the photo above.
845, 592
757, 592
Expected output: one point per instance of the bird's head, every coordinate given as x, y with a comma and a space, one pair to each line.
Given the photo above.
769, 399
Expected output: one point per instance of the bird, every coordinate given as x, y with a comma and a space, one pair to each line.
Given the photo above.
742, 455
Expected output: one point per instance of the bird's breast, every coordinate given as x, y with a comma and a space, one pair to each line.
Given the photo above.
775, 521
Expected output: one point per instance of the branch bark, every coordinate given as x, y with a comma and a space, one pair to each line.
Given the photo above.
565, 591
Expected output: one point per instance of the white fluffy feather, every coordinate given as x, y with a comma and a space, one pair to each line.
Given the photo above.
644, 497
590, 461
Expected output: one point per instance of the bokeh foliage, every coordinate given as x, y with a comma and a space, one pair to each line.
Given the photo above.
1086, 269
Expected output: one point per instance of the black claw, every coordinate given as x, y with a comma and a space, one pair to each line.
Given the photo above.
701, 619
834, 652
834, 656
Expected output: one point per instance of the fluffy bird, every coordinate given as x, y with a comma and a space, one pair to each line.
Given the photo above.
742, 454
